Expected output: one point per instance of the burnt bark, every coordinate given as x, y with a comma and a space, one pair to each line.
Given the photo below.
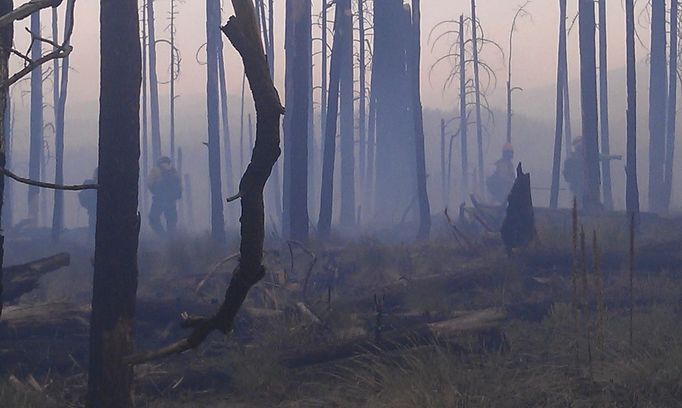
657, 106
296, 121
243, 33
153, 85
463, 119
588, 97
560, 90
329, 156
346, 114
115, 279
672, 107
477, 96
415, 70
604, 108
6, 38
213, 113
631, 186
36, 125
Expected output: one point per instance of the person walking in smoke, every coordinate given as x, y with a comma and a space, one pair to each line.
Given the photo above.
574, 168
164, 184
501, 181
88, 200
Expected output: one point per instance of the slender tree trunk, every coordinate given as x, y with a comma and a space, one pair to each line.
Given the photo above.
371, 145
477, 94
604, 107
8, 128
110, 381
153, 84
347, 117
173, 75
327, 187
212, 103
362, 103
568, 130
444, 174
422, 192
463, 119
324, 70
145, 117
672, 107
631, 187
225, 117
36, 126
560, 87
241, 127
588, 97
6, 40
657, 106
298, 62
60, 113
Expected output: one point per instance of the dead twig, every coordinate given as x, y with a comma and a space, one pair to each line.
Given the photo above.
51, 186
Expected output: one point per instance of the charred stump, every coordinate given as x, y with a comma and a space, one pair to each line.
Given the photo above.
518, 228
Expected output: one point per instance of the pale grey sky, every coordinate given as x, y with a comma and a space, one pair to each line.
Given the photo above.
534, 53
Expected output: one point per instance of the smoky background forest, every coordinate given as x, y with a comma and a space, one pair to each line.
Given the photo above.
381, 203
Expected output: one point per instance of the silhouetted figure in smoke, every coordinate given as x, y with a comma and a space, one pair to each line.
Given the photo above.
574, 168
164, 184
501, 181
88, 200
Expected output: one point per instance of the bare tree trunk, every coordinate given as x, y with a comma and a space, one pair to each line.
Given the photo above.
8, 127
173, 74
444, 174
327, 187
463, 120
36, 127
371, 145
6, 40
298, 62
60, 96
362, 107
145, 123
477, 94
604, 107
631, 187
414, 65
568, 131
347, 116
657, 106
110, 382
241, 127
224, 116
560, 88
153, 85
588, 98
672, 107
212, 103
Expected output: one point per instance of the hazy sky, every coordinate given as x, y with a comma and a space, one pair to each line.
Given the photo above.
534, 52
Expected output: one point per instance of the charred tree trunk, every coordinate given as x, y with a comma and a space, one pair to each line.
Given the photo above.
6, 40
362, 102
36, 126
588, 97
444, 173
298, 62
224, 116
110, 379
212, 106
477, 95
415, 62
173, 75
145, 114
672, 107
327, 187
657, 106
153, 85
371, 144
631, 187
560, 87
463, 119
347, 115
604, 107
60, 113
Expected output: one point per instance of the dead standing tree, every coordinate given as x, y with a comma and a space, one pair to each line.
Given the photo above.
671, 121
36, 122
561, 88
8, 16
631, 187
521, 12
604, 108
153, 85
242, 31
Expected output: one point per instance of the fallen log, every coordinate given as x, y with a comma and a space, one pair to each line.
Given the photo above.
485, 324
21, 279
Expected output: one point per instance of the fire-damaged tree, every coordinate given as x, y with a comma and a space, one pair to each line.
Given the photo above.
6, 36
243, 33
657, 106
296, 123
118, 223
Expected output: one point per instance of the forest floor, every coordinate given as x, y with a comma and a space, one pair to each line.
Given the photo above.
366, 323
